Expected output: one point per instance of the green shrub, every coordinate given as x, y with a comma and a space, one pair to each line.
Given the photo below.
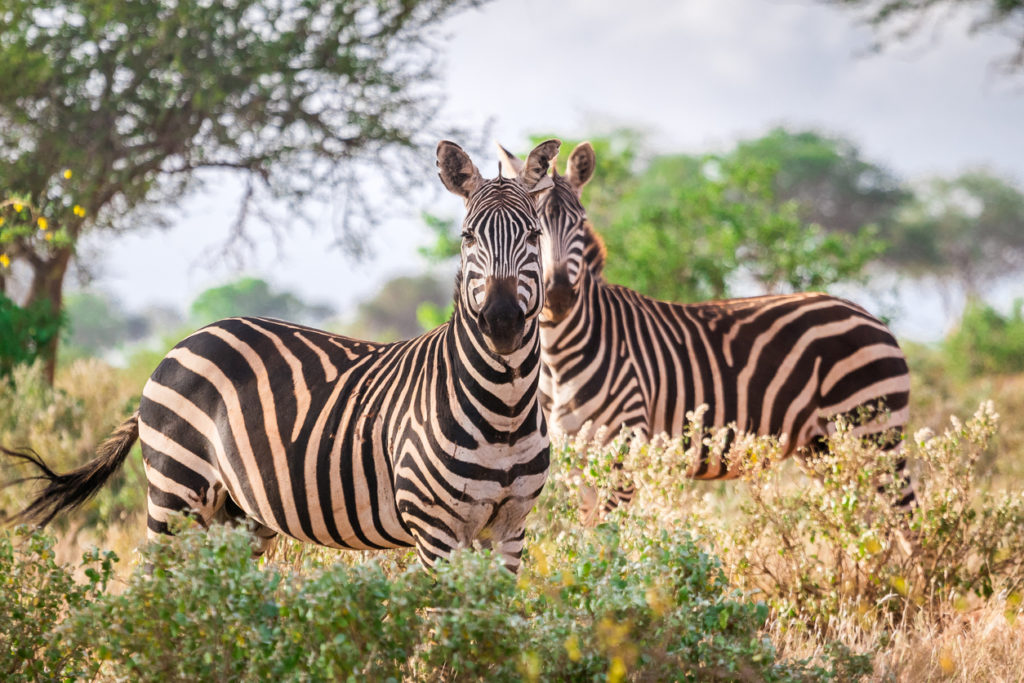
36, 597
987, 341
25, 332
601, 604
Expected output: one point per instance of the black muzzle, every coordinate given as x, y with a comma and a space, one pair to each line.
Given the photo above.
501, 319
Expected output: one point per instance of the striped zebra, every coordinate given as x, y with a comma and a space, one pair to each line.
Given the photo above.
438, 442
779, 365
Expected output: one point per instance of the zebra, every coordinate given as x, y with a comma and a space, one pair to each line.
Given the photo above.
438, 442
784, 365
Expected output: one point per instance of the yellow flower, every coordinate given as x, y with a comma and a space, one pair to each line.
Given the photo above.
572, 648
946, 661
5, 260
1, 220
617, 670
48, 237
78, 211
67, 173
43, 224
18, 207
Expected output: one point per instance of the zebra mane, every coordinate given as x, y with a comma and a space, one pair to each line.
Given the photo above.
593, 250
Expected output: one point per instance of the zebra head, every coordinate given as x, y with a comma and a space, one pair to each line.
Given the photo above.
500, 278
562, 220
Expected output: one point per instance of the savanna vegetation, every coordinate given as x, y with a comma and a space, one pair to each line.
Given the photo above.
795, 572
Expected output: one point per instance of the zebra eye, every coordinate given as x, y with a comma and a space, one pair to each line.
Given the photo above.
532, 236
468, 235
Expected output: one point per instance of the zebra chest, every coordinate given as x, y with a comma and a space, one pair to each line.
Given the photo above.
469, 494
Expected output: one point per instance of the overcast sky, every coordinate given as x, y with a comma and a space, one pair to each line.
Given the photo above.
696, 75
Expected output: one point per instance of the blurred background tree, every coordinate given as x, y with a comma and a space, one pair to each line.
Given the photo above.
393, 312
967, 232
139, 100
834, 186
253, 296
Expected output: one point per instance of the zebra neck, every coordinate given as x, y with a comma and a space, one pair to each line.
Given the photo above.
510, 382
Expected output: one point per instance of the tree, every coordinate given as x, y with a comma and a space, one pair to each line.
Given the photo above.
969, 229
825, 174
139, 100
97, 322
899, 20
694, 227
392, 313
253, 296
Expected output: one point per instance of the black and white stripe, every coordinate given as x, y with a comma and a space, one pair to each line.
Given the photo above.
438, 442
781, 365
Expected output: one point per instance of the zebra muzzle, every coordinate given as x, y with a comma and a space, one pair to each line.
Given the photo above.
559, 295
501, 319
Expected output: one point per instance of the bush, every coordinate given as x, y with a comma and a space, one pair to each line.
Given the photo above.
25, 332
599, 605
987, 341
36, 597
830, 547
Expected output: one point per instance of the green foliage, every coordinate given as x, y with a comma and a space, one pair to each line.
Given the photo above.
37, 596
691, 226
429, 315
603, 604
42, 228
986, 341
25, 332
446, 244
252, 296
826, 175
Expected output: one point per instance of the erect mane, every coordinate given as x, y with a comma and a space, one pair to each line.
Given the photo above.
593, 250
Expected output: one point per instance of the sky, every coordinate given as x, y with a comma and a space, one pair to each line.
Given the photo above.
694, 75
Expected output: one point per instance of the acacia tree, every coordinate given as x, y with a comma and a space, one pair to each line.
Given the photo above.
826, 175
139, 98
967, 230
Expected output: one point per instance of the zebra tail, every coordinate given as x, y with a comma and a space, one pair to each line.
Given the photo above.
68, 491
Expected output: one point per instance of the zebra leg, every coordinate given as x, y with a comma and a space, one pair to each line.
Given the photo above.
591, 510
511, 550
263, 537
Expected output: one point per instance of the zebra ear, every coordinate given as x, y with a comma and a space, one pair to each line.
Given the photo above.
534, 174
457, 171
511, 165
581, 166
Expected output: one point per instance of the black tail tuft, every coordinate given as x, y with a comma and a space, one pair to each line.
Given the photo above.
68, 491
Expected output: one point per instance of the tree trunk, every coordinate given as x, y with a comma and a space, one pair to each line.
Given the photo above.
48, 285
